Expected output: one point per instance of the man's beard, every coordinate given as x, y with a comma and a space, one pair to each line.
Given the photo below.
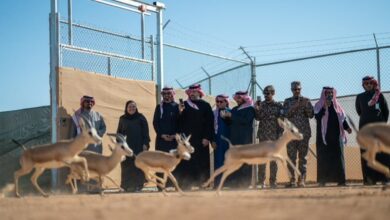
194, 97
88, 108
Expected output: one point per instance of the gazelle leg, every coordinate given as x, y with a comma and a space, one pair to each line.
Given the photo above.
101, 185
215, 174
294, 167
82, 160
173, 179
34, 178
21, 172
229, 170
159, 184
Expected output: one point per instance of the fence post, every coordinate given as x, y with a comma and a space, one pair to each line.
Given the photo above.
252, 90
378, 62
54, 64
255, 168
208, 79
143, 34
109, 66
70, 25
160, 53
152, 57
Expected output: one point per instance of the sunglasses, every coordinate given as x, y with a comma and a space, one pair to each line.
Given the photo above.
367, 83
165, 93
88, 101
296, 89
219, 101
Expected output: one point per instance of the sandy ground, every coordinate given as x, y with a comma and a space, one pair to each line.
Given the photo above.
356, 202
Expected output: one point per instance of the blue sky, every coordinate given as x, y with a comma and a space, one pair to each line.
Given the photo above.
216, 26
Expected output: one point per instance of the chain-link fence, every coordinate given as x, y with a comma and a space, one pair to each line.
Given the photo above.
343, 71
92, 49
100, 51
185, 67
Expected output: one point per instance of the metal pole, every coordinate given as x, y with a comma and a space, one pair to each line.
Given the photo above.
378, 62
166, 24
253, 78
70, 36
209, 85
255, 168
160, 56
208, 79
109, 66
252, 91
179, 84
143, 34
152, 57
54, 64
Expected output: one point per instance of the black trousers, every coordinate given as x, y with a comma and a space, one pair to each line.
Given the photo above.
132, 178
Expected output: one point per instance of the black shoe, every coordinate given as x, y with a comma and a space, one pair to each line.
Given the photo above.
273, 185
302, 181
321, 184
369, 182
94, 192
341, 184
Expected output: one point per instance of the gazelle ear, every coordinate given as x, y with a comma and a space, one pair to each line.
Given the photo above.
288, 123
82, 124
178, 138
281, 122
188, 138
112, 139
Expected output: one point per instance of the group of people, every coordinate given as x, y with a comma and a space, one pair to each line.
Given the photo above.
206, 126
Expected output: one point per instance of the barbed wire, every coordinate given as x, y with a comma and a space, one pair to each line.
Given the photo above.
311, 52
316, 40
203, 34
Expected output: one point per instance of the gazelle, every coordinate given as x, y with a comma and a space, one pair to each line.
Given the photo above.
259, 153
374, 138
99, 165
151, 162
57, 155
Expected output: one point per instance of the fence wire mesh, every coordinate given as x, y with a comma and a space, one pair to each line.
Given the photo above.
183, 68
105, 52
385, 69
121, 55
343, 72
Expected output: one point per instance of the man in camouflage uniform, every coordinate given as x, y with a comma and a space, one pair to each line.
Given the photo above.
298, 110
267, 113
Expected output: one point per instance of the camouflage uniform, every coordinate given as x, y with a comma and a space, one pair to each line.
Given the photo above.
269, 130
300, 118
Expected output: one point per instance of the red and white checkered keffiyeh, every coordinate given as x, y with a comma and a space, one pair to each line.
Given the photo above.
339, 111
248, 102
192, 89
377, 93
